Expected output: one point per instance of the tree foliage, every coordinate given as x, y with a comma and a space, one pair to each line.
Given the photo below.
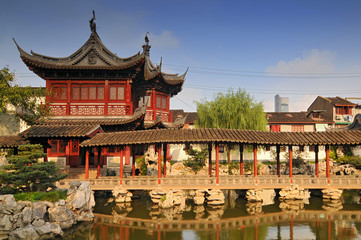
197, 159
25, 174
26, 100
233, 110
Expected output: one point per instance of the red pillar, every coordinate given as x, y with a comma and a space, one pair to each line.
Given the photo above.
98, 162
278, 150
241, 159
329, 229
127, 155
133, 162
217, 163
290, 160
121, 164
255, 160
159, 162
316, 161
327, 148
164, 159
87, 164
210, 159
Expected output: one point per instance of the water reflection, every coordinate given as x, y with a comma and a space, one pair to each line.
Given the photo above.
316, 219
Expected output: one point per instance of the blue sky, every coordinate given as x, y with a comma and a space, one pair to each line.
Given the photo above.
296, 48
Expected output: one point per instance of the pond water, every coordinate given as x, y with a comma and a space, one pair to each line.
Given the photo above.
237, 219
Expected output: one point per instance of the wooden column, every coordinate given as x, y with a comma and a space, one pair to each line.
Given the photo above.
164, 159
316, 161
327, 149
255, 160
159, 162
217, 163
133, 162
241, 167
87, 164
121, 165
127, 155
278, 150
98, 162
210, 159
290, 161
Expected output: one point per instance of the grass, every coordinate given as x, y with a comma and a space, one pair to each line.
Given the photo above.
53, 196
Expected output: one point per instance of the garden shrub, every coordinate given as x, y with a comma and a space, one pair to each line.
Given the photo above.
196, 160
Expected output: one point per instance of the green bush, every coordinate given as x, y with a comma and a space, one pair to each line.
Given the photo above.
196, 160
163, 198
24, 173
53, 196
248, 166
353, 160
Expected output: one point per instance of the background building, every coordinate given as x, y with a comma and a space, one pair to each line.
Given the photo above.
281, 104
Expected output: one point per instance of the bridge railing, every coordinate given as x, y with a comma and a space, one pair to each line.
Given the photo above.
225, 182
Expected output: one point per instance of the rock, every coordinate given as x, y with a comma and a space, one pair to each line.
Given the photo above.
62, 215
332, 193
5, 222
38, 223
215, 197
121, 195
294, 192
27, 233
39, 210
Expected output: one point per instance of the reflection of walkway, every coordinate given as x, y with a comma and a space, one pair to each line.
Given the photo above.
225, 182
229, 223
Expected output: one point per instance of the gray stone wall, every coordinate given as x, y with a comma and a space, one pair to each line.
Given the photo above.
9, 124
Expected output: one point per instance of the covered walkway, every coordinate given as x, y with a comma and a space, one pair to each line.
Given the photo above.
215, 137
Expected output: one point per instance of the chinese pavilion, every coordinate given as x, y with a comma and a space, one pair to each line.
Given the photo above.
94, 91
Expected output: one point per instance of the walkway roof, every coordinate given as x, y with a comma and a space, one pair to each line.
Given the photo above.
206, 135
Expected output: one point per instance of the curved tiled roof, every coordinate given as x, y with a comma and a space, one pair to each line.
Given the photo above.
49, 131
203, 135
12, 141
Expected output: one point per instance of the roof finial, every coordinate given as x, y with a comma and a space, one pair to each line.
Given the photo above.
146, 38
92, 23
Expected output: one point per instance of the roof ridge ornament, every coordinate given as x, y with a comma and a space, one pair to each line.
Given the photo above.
93, 26
146, 46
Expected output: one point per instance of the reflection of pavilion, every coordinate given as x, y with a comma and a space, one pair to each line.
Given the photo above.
319, 219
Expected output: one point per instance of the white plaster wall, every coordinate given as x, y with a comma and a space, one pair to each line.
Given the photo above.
178, 154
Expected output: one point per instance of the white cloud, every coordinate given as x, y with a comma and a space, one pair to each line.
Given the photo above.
165, 40
312, 61
301, 103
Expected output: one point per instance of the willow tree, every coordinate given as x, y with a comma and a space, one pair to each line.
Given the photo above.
26, 100
232, 110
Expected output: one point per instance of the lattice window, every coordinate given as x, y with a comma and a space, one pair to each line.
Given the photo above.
54, 146
113, 93
55, 93
84, 93
100, 93
116, 93
92, 93
63, 93
76, 93
75, 147
164, 103
297, 128
120, 93
62, 146
111, 149
159, 102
